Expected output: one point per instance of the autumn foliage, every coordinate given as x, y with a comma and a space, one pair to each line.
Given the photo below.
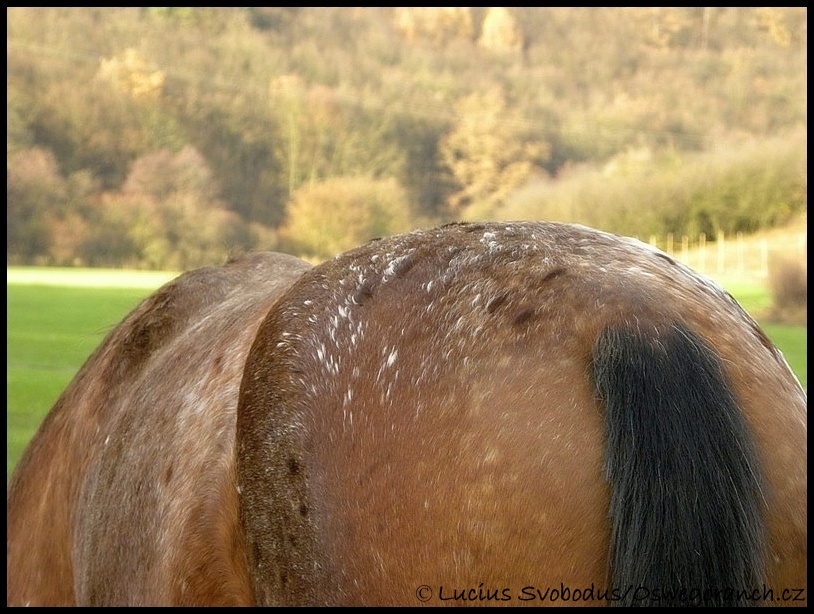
172, 137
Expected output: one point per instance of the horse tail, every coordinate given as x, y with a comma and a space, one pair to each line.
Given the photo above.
685, 488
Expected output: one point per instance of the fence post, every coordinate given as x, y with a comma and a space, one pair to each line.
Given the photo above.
721, 251
702, 253
764, 258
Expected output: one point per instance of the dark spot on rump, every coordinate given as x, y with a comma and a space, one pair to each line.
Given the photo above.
666, 257
764, 340
363, 293
554, 273
303, 510
523, 316
217, 364
150, 329
496, 302
293, 466
452, 224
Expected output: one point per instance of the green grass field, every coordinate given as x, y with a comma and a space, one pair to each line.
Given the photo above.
57, 318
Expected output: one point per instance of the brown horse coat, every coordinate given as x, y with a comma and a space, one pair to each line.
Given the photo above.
425, 414
470, 414
126, 493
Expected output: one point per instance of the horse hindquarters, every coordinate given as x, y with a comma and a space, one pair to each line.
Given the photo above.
421, 410
126, 493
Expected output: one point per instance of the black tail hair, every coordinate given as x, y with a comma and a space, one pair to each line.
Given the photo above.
686, 493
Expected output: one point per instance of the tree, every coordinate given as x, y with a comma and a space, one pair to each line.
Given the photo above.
436, 24
489, 151
500, 31
130, 73
343, 212
169, 212
34, 188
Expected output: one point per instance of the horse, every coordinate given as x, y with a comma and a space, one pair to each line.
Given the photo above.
126, 492
522, 413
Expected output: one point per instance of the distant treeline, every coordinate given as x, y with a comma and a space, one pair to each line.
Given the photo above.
175, 137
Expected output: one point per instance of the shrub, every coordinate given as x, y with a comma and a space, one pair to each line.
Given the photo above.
343, 212
788, 280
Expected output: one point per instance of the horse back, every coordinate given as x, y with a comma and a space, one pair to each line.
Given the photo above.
126, 493
428, 411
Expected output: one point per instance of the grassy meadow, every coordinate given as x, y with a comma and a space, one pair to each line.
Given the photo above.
56, 318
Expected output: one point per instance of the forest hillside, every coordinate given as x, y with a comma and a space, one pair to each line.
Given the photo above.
172, 138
